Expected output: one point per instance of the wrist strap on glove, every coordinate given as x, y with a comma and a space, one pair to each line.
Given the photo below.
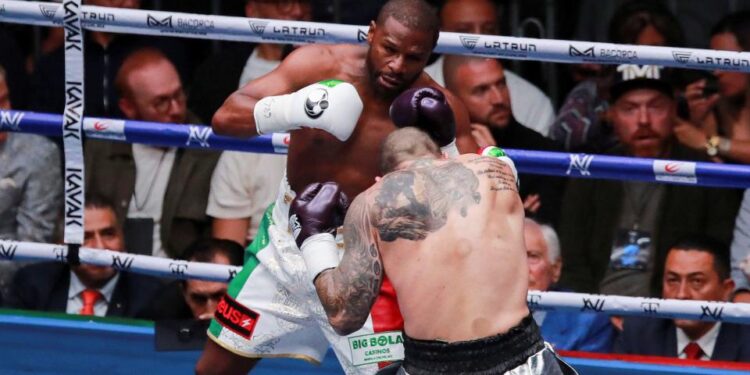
450, 150
320, 253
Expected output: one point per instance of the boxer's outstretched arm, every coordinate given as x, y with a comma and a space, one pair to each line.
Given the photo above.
348, 291
235, 117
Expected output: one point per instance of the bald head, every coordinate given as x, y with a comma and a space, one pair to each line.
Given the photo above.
406, 144
136, 62
414, 14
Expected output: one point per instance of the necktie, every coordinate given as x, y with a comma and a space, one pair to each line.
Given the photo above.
693, 351
89, 296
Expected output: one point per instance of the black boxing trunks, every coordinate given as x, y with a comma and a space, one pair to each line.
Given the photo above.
519, 351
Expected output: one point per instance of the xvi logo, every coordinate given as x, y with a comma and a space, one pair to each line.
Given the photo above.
580, 163
200, 135
593, 305
361, 35
715, 314
258, 27
48, 11
122, 262
469, 42
8, 249
651, 308
10, 120
681, 57
178, 269
575, 52
152, 21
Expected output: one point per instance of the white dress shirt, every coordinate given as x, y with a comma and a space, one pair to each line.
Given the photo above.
707, 342
75, 300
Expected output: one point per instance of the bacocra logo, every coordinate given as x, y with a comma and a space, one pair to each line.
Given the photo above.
154, 22
575, 52
199, 135
469, 42
258, 27
11, 120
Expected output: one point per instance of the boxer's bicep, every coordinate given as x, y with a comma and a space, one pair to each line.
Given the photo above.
349, 291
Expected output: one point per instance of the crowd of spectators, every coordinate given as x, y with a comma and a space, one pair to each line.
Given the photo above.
616, 237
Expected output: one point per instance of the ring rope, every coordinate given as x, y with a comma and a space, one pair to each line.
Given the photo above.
257, 30
180, 269
527, 161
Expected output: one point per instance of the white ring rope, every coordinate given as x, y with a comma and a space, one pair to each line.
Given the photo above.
187, 25
613, 305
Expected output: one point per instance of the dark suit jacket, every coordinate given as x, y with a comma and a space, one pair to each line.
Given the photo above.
648, 336
110, 172
44, 287
591, 209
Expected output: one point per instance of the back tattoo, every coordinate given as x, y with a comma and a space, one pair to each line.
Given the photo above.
413, 203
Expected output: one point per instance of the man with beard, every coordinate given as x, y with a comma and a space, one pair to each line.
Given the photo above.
271, 309
616, 234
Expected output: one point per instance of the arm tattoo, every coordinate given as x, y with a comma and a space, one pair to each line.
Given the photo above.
497, 172
413, 203
349, 291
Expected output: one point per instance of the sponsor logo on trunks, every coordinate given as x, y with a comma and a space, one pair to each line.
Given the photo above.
592, 304
122, 262
71, 21
580, 163
682, 57
180, 25
60, 253
258, 27
469, 42
178, 268
361, 35
651, 308
11, 120
48, 11
675, 171
316, 103
73, 197
513, 49
575, 52
199, 135
8, 249
711, 314
377, 347
236, 317
533, 300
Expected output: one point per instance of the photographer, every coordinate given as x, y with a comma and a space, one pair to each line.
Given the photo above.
718, 107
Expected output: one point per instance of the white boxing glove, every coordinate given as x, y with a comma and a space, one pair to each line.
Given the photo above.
331, 105
499, 153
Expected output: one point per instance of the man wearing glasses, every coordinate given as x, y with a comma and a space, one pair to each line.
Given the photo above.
161, 191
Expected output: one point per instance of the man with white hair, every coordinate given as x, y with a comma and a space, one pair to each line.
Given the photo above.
565, 330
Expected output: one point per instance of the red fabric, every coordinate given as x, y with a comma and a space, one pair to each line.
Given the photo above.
693, 351
89, 296
385, 313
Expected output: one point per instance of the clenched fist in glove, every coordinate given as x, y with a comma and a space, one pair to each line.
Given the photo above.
314, 216
427, 108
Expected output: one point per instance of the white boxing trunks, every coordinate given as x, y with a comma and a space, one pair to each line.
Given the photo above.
272, 310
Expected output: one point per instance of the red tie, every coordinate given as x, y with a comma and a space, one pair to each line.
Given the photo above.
693, 351
89, 296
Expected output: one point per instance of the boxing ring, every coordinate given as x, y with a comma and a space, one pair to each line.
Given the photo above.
81, 344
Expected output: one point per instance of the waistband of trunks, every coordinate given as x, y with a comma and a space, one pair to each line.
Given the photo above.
494, 354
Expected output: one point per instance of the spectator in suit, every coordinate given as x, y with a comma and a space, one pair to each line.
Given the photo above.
86, 289
616, 234
196, 299
532, 108
565, 330
696, 268
243, 184
30, 187
162, 191
482, 85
